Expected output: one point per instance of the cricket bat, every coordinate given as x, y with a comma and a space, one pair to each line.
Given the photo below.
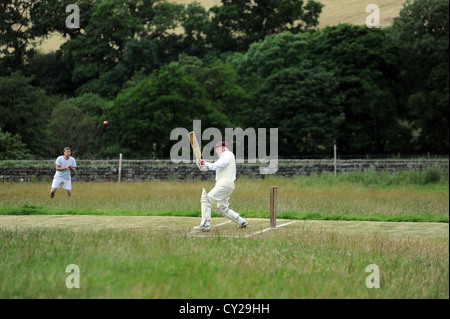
195, 146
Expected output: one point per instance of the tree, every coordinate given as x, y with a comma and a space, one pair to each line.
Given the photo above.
238, 23
367, 70
122, 37
22, 22
25, 110
140, 56
49, 16
15, 36
98, 49
292, 93
77, 122
144, 115
358, 60
50, 73
195, 22
266, 57
422, 32
12, 147
219, 80
305, 106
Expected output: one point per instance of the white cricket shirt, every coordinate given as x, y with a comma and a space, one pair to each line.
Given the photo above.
225, 168
62, 162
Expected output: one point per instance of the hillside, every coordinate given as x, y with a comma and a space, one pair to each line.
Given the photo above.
354, 11
334, 12
340, 11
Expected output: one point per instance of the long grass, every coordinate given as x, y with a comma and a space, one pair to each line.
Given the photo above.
407, 196
300, 263
292, 262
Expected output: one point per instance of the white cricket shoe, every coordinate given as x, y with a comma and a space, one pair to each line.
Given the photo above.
243, 224
203, 228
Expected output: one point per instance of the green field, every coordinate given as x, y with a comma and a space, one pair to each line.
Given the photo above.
372, 196
135, 240
157, 257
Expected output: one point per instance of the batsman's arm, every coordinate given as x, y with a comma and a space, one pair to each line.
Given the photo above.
223, 161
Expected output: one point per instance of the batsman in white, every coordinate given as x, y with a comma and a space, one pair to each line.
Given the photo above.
225, 168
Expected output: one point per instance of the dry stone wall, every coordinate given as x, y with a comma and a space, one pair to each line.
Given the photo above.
148, 170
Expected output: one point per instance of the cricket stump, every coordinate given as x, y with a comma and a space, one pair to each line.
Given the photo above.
273, 207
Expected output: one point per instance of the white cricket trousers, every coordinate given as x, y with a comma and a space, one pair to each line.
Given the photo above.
219, 195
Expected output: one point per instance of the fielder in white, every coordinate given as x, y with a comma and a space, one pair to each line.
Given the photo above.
225, 168
64, 165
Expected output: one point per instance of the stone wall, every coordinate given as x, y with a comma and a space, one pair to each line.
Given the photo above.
148, 170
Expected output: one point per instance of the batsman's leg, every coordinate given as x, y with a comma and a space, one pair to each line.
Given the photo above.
224, 210
233, 216
206, 213
206, 208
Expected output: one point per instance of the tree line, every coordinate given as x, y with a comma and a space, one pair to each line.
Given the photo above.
149, 66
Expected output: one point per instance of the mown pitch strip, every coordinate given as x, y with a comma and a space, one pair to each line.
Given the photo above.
243, 232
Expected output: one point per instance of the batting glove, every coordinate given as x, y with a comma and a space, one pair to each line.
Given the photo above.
202, 165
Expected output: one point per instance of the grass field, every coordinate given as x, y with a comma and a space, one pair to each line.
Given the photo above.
129, 243
156, 257
368, 196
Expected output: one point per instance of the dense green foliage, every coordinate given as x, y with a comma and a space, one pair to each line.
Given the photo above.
25, 110
422, 35
150, 66
11, 146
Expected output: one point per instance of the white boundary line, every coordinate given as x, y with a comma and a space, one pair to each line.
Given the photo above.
213, 227
237, 236
228, 221
264, 230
